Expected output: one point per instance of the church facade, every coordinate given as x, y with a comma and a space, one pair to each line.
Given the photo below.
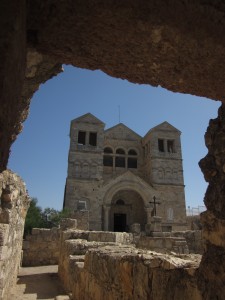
115, 175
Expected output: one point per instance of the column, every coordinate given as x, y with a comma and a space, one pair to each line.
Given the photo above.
106, 217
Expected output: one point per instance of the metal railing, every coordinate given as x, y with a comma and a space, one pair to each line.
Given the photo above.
195, 211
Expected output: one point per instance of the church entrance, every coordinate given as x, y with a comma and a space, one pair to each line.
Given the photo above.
120, 222
127, 208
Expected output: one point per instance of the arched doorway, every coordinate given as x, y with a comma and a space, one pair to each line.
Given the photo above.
127, 208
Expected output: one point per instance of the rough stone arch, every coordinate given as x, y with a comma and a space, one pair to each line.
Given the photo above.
178, 45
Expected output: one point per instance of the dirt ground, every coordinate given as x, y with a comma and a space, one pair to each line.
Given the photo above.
38, 283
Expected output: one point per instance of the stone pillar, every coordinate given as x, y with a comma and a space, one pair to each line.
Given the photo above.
156, 224
148, 212
211, 274
106, 217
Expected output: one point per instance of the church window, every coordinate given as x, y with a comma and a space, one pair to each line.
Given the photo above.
81, 137
161, 145
170, 146
107, 161
120, 158
132, 161
120, 162
132, 152
82, 205
120, 151
108, 150
93, 138
120, 202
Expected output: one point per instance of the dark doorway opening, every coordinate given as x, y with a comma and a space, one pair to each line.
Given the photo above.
120, 222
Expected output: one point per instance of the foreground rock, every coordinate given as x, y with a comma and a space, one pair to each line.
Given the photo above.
13, 208
95, 269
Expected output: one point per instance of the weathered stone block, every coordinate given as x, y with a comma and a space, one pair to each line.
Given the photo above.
4, 234
68, 224
135, 228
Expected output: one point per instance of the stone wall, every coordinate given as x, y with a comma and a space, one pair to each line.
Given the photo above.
194, 239
164, 244
82, 218
182, 242
41, 247
13, 209
74, 245
92, 268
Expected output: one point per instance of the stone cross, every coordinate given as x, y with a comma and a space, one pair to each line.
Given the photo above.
154, 205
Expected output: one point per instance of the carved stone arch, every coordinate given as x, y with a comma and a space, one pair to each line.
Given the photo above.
107, 148
133, 148
133, 185
122, 148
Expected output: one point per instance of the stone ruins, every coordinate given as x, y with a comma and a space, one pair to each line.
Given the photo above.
94, 264
178, 45
13, 208
116, 175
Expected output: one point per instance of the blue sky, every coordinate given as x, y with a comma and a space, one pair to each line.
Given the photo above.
40, 152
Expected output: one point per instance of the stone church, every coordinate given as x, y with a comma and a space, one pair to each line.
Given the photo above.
115, 175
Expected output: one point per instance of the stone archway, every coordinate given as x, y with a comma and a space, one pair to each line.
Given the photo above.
127, 207
178, 45
125, 185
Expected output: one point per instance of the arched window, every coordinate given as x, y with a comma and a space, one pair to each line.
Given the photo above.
120, 202
132, 152
108, 159
120, 151
108, 150
120, 158
132, 161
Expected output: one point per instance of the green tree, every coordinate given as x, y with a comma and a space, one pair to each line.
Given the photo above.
47, 218
34, 217
52, 216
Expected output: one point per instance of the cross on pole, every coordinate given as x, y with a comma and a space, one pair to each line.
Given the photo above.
154, 205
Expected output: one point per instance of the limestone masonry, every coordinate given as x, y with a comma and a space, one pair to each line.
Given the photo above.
115, 175
14, 202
